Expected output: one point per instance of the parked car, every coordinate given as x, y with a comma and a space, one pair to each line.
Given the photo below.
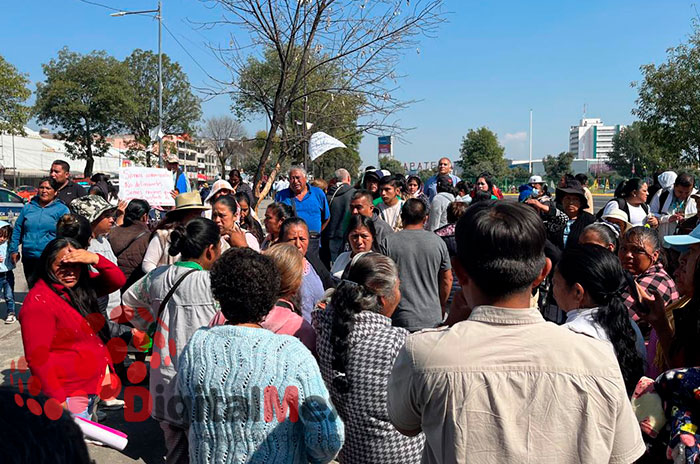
26, 191
11, 205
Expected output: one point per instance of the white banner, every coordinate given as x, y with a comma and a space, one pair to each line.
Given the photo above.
320, 142
151, 184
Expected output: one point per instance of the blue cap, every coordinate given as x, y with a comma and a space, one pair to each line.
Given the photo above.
526, 192
683, 242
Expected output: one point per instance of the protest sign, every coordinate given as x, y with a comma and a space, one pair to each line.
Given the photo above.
151, 184
320, 142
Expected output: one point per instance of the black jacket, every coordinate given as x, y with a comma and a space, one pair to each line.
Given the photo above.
339, 197
577, 227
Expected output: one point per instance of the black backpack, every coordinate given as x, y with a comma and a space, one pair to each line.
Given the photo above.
622, 204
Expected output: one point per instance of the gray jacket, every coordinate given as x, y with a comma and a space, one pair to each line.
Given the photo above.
190, 307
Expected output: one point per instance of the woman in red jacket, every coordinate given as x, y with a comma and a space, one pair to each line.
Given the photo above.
63, 331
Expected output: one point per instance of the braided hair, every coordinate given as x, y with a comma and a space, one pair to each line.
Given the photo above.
600, 274
371, 276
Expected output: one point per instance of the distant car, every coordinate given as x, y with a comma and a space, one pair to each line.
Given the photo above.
26, 191
11, 205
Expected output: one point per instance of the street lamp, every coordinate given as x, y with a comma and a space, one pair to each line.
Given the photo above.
159, 15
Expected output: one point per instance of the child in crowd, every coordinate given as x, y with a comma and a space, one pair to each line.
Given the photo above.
7, 277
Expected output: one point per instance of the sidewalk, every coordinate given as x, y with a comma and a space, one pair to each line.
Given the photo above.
145, 438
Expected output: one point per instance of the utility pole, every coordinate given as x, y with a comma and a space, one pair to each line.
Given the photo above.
530, 137
305, 144
159, 16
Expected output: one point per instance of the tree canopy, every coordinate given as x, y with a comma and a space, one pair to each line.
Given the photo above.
556, 166
335, 115
333, 51
669, 99
14, 114
394, 166
227, 138
181, 108
636, 153
84, 97
481, 152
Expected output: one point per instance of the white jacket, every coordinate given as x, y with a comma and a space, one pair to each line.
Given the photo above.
663, 214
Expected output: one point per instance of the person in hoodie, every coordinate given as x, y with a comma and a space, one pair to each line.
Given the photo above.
36, 225
438, 207
339, 197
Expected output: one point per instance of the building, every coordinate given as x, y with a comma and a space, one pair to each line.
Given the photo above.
591, 139
194, 160
28, 158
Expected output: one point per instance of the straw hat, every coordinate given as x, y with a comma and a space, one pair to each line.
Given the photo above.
188, 201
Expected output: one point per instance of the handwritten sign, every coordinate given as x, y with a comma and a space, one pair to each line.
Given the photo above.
151, 184
320, 142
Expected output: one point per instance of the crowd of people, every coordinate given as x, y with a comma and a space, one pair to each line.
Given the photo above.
387, 321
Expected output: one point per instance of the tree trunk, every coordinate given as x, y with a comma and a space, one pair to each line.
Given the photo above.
222, 160
264, 157
89, 159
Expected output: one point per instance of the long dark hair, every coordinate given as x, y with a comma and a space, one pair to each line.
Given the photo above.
135, 211
249, 223
600, 274
192, 239
370, 276
626, 187
82, 296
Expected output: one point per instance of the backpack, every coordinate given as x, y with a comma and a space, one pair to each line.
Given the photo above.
622, 204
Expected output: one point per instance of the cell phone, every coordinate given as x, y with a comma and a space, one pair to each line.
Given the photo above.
634, 291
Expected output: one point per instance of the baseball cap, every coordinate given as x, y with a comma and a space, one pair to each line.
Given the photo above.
535, 180
683, 242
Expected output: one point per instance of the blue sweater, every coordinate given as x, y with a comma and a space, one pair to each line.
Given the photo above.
222, 378
36, 227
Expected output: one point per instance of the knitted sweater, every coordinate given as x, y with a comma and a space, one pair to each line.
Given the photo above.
227, 379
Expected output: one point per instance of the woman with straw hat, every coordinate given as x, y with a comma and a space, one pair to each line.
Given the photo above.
187, 206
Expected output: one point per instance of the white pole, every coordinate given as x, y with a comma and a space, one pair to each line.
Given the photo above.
530, 137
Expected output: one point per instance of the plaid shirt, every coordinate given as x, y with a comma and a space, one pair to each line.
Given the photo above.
654, 278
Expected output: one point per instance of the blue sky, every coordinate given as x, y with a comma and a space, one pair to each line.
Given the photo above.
490, 64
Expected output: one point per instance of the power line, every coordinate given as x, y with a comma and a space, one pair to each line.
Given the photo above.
100, 4
186, 51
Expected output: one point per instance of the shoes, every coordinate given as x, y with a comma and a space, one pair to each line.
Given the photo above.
114, 403
11, 318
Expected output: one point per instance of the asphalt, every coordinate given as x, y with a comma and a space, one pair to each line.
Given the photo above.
145, 437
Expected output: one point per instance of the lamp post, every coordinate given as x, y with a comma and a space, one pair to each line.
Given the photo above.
159, 15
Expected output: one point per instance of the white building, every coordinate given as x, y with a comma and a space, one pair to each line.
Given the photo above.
591, 139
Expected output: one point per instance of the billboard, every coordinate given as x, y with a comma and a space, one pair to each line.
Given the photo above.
385, 146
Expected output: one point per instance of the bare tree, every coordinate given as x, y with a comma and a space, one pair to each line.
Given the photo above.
358, 42
226, 137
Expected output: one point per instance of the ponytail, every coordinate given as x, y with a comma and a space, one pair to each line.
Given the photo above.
599, 272
191, 240
370, 276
